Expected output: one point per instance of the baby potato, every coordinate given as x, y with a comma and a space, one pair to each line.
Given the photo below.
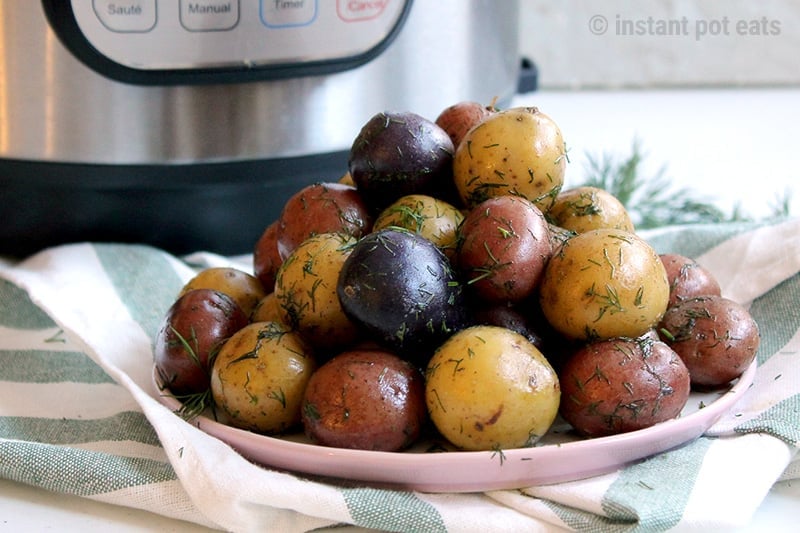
321, 208
620, 385
604, 283
489, 388
716, 337
518, 151
305, 288
461, 117
347, 179
266, 259
245, 289
430, 217
688, 279
503, 247
367, 400
586, 208
400, 153
196, 325
268, 310
259, 377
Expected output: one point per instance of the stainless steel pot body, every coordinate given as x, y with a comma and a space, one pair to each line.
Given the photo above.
56, 110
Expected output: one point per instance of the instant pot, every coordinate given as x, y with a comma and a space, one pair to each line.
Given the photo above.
186, 124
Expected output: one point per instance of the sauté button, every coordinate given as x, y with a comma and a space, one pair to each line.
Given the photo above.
126, 15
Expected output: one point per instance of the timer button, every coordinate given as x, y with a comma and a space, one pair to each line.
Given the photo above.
126, 16
209, 15
282, 13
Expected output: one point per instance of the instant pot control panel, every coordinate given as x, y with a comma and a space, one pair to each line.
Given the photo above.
180, 41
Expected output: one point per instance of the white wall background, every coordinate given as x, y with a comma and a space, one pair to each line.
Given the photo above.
580, 44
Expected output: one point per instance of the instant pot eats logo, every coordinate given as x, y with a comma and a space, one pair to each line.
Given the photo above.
698, 28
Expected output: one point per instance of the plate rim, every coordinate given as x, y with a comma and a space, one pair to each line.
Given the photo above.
397, 469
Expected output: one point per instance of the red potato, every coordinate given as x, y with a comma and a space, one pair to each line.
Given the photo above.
688, 279
620, 385
321, 208
503, 247
195, 327
266, 259
716, 337
459, 118
366, 400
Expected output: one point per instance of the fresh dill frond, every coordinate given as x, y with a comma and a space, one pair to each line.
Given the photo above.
653, 200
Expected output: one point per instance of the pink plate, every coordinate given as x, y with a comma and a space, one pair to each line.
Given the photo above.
559, 456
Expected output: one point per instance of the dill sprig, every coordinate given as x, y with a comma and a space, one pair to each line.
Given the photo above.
654, 201
193, 405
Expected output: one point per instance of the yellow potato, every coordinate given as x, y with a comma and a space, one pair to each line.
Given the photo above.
267, 310
604, 283
305, 288
489, 388
259, 377
245, 289
583, 209
434, 219
518, 151
347, 179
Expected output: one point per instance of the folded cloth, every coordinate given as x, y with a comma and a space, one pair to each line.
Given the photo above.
79, 414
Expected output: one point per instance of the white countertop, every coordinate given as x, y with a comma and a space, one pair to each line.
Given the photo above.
731, 146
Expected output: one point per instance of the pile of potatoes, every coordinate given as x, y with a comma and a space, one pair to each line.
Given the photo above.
449, 282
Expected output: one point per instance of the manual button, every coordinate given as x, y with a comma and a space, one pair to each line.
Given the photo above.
126, 15
209, 15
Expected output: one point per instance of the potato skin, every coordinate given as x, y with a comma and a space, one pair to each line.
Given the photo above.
461, 117
194, 328
518, 151
268, 310
620, 385
716, 337
266, 259
602, 284
489, 388
688, 279
402, 291
366, 400
430, 217
400, 153
509, 317
259, 377
245, 289
305, 288
503, 247
321, 208
582, 209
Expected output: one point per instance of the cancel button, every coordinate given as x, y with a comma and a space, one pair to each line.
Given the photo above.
209, 15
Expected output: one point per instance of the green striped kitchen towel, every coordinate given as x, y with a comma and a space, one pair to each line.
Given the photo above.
78, 413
